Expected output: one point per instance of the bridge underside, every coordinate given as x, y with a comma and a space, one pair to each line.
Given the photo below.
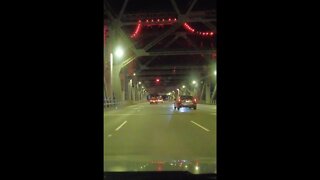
164, 50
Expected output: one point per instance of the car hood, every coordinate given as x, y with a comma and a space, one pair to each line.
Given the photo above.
194, 166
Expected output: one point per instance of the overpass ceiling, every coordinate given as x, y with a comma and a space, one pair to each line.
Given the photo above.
148, 68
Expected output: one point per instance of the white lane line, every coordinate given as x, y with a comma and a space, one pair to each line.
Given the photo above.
200, 126
121, 125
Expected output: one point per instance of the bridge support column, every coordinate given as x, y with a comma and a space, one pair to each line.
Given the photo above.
207, 93
130, 90
134, 93
214, 94
116, 83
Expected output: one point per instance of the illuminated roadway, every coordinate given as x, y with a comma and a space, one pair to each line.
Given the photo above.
158, 132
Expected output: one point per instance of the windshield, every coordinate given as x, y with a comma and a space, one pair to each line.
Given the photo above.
154, 63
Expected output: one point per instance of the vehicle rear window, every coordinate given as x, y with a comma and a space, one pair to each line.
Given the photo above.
186, 97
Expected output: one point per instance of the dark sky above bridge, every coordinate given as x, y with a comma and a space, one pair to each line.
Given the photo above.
135, 6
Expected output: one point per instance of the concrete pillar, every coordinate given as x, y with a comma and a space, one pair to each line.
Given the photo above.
129, 90
104, 88
107, 60
107, 74
123, 95
134, 91
207, 93
137, 93
215, 93
116, 83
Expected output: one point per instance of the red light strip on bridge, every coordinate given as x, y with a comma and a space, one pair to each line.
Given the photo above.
190, 29
158, 22
135, 34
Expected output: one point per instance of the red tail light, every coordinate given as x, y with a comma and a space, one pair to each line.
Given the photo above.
194, 101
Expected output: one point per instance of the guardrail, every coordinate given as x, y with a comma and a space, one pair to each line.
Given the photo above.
111, 103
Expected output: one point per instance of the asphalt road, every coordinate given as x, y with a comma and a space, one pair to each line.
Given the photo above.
158, 132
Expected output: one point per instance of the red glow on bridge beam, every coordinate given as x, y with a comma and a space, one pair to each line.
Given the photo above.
168, 22
137, 30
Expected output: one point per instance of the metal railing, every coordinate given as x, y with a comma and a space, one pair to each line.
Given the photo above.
111, 103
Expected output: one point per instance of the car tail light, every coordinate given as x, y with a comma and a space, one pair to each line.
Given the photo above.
194, 100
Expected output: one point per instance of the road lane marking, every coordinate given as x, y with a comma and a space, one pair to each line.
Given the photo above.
200, 126
121, 125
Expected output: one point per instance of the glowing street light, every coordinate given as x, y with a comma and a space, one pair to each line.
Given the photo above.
183, 86
119, 52
194, 82
139, 82
134, 74
196, 168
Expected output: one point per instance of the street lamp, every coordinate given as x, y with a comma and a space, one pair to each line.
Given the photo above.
194, 82
134, 74
140, 83
119, 52
183, 86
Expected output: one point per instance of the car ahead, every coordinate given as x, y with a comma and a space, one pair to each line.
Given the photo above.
160, 100
185, 101
153, 100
